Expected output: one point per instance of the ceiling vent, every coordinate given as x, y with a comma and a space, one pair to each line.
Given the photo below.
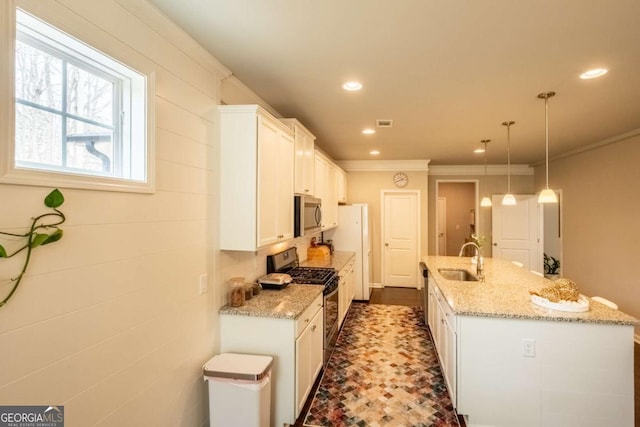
384, 123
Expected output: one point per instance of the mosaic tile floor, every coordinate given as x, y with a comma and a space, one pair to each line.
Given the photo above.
383, 372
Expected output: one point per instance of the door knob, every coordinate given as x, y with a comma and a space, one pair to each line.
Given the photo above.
495, 244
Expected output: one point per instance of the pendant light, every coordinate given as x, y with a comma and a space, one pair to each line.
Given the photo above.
547, 195
486, 201
508, 199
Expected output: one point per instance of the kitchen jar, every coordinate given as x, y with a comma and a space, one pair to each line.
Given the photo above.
236, 291
256, 288
248, 291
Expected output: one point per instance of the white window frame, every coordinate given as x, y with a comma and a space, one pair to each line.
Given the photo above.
141, 178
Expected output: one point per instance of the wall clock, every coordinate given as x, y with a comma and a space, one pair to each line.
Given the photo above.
400, 179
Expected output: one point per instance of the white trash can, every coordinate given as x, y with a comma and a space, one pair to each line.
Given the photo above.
239, 390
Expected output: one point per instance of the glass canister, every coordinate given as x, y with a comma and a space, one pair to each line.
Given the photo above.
236, 291
248, 291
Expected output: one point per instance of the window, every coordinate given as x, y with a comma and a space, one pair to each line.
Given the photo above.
79, 114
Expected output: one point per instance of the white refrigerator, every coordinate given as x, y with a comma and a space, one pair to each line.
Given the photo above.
352, 234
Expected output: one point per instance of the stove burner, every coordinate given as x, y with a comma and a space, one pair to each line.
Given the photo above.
311, 275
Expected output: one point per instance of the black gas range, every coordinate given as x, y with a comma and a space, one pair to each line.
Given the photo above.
288, 262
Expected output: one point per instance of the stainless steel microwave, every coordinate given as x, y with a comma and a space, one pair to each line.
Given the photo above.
307, 215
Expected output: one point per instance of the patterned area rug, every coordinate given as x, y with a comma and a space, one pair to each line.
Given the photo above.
383, 372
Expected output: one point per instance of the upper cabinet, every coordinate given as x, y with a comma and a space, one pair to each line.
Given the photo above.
326, 188
303, 158
342, 185
256, 178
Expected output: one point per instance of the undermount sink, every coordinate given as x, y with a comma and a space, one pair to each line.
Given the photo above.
459, 275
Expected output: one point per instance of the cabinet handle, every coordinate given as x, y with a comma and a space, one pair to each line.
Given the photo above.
306, 320
313, 328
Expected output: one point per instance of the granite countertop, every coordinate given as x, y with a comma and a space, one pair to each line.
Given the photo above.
287, 303
337, 260
290, 302
505, 293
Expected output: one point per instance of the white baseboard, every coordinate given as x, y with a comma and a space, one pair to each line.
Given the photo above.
376, 285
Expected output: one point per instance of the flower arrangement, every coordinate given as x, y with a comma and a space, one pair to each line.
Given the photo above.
478, 240
551, 265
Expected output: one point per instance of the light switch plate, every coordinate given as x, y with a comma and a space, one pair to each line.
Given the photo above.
202, 283
529, 347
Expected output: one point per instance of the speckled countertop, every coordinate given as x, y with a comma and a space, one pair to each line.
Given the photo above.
338, 260
290, 302
287, 303
505, 293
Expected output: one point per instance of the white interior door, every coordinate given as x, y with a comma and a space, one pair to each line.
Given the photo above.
400, 241
441, 219
517, 232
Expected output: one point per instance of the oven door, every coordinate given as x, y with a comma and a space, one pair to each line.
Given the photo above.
330, 323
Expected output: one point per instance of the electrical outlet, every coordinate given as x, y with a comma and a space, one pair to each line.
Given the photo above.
528, 347
202, 284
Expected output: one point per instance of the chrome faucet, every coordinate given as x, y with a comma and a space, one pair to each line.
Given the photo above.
480, 263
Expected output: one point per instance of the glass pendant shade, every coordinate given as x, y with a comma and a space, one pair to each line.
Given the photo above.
547, 196
485, 202
509, 199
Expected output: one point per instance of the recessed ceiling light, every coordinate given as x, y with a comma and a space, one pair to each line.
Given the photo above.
374, 152
368, 131
352, 86
479, 150
595, 73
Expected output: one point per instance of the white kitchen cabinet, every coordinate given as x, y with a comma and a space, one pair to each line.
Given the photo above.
342, 186
256, 178
326, 187
442, 321
308, 359
304, 158
346, 289
296, 346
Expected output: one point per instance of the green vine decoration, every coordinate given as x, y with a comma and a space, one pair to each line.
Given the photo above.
36, 236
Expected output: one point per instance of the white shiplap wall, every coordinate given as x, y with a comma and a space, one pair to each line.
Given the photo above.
109, 321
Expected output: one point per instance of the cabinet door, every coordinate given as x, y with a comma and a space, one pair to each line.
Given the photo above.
284, 206
268, 181
351, 286
342, 186
319, 178
450, 368
309, 357
317, 354
432, 311
330, 207
304, 162
342, 299
309, 164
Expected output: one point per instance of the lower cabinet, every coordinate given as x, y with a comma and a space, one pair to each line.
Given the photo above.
443, 324
308, 359
296, 347
347, 289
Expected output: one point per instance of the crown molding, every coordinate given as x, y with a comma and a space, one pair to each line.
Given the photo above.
384, 165
466, 170
234, 92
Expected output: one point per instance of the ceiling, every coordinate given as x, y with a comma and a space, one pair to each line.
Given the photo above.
448, 73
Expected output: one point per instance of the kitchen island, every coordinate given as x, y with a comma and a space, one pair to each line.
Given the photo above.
510, 362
